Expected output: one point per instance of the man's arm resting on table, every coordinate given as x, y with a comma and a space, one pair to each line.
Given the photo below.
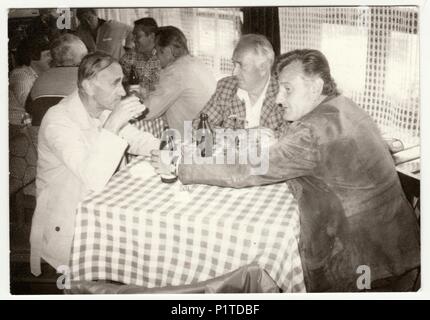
93, 164
293, 156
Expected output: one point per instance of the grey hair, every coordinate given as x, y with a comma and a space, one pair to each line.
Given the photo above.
92, 64
258, 44
68, 50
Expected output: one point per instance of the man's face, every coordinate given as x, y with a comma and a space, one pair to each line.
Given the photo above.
248, 70
108, 88
90, 20
295, 93
164, 55
45, 60
144, 43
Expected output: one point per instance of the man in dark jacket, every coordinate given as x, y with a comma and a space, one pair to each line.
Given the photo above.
353, 213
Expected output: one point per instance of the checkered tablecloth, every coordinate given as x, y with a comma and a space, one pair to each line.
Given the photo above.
152, 234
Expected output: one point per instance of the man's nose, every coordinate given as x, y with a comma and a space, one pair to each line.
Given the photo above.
280, 96
236, 70
121, 91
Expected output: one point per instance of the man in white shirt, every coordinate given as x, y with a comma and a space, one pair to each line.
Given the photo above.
82, 141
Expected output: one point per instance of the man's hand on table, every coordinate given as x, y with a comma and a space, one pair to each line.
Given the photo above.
163, 161
124, 111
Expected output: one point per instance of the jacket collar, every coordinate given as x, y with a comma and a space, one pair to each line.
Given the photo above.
77, 111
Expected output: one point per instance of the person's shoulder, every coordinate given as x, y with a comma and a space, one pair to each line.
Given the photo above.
56, 114
116, 24
66, 104
19, 72
227, 84
128, 57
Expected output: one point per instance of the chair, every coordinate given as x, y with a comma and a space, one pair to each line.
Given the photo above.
22, 173
39, 106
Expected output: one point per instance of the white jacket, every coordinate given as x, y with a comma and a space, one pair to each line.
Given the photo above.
76, 156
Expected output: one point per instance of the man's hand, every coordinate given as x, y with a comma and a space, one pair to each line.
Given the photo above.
125, 110
161, 160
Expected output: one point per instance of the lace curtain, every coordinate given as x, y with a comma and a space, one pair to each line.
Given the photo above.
373, 54
212, 33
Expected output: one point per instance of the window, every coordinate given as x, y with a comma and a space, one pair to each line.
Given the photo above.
373, 54
212, 33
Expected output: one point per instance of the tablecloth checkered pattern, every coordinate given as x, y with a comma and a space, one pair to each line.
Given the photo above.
155, 126
153, 234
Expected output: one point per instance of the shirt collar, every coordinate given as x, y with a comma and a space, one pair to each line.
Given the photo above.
243, 94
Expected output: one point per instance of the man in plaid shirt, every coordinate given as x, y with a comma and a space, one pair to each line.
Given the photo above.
247, 99
143, 57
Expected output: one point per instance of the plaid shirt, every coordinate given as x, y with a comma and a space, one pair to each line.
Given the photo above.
225, 103
148, 69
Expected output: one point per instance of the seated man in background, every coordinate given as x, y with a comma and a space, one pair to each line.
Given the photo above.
111, 37
353, 212
82, 141
67, 52
247, 99
143, 57
33, 58
185, 85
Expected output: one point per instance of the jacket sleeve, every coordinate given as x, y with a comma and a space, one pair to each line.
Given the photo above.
141, 142
94, 163
293, 156
213, 108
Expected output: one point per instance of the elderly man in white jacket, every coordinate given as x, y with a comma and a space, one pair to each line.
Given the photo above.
82, 141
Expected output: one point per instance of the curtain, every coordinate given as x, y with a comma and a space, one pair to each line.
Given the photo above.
373, 54
212, 33
263, 20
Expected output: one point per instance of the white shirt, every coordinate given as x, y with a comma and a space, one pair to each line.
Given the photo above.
253, 112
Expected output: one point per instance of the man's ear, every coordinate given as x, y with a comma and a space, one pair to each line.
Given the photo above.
317, 86
264, 67
88, 87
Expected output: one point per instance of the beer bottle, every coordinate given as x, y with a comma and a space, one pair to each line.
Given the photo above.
133, 82
134, 90
167, 144
205, 143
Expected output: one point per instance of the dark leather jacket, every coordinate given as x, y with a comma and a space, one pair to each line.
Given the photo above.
353, 211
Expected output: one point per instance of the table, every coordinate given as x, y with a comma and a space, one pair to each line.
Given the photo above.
151, 234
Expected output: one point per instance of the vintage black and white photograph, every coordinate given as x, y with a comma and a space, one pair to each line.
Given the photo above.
201, 150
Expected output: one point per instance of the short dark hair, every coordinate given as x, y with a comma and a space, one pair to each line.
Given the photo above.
81, 11
147, 25
31, 49
172, 36
314, 63
92, 64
